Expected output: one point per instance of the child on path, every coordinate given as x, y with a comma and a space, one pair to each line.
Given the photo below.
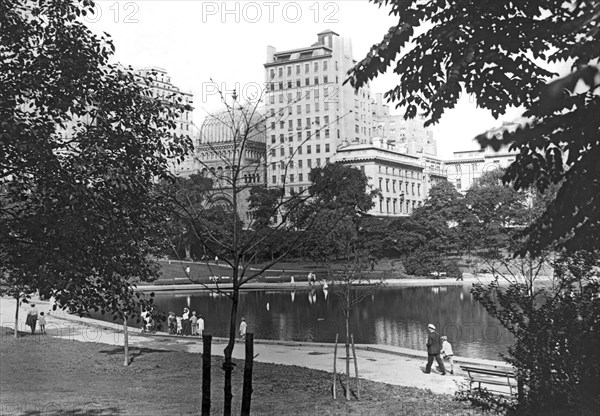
172, 323
42, 322
200, 325
179, 325
243, 329
194, 322
447, 352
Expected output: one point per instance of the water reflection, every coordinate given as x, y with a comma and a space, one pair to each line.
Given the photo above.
393, 316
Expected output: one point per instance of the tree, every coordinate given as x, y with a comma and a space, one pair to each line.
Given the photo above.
444, 49
438, 217
81, 145
341, 198
251, 220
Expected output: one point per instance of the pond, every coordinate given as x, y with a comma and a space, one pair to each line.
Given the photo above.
389, 315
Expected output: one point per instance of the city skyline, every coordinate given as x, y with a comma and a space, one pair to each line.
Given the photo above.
197, 41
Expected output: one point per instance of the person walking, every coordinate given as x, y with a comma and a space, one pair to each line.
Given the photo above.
42, 322
447, 352
32, 317
243, 327
434, 348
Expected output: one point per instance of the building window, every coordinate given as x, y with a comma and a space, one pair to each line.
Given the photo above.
280, 98
318, 162
325, 79
272, 125
316, 94
274, 178
298, 109
297, 69
326, 147
324, 65
300, 135
316, 66
300, 179
280, 85
458, 184
290, 125
316, 80
326, 133
289, 70
281, 138
282, 152
308, 150
307, 81
307, 94
306, 68
300, 165
308, 108
380, 184
299, 125
282, 178
326, 106
298, 83
308, 122
318, 148
272, 99
272, 72
309, 163
272, 152
282, 124
280, 71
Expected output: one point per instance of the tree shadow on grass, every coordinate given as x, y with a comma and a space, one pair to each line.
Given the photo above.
134, 352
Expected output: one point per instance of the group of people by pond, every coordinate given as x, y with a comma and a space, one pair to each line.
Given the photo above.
186, 324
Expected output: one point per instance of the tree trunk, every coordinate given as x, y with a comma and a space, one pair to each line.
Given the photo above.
188, 251
125, 342
355, 368
228, 363
334, 365
206, 357
347, 359
347, 316
17, 298
248, 364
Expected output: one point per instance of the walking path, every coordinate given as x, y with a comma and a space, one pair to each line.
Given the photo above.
381, 363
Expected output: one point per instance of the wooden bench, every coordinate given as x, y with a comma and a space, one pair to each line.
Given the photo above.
491, 376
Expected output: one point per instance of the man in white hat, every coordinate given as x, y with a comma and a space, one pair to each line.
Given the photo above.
434, 348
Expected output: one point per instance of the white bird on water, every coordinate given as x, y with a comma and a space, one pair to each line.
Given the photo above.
268, 306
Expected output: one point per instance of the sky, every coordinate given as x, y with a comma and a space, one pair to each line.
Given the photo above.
226, 41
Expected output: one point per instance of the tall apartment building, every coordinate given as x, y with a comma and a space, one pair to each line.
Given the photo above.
162, 87
409, 136
218, 152
309, 112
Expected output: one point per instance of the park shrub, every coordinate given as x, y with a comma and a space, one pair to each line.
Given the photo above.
556, 330
487, 401
426, 260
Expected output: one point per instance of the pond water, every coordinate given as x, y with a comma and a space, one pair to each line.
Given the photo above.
389, 315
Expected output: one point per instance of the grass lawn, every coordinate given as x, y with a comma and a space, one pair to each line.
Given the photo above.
49, 376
